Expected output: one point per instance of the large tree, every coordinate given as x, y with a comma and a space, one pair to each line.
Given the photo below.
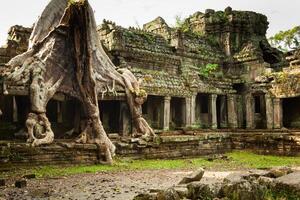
65, 55
287, 40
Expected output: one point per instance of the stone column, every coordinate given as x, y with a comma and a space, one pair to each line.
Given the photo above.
269, 111
187, 111
250, 109
193, 110
166, 115
15, 109
227, 46
277, 113
212, 111
232, 111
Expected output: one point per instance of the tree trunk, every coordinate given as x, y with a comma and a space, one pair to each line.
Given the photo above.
66, 56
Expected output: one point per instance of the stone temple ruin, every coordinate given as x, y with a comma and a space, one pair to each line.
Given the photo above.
252, 86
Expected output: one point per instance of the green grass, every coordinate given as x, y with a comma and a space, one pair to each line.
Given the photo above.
236, 161
251, 160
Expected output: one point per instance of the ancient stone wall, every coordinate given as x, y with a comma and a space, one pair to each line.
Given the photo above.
166, 146
17, 43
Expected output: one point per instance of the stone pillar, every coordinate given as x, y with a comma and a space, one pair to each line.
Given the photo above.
223, 112
166, 115
277, 113
125, 119
232, 111
193, 110
227, 46
15, 109
187, 111
212, 111
250, 109
59, 112
269, 111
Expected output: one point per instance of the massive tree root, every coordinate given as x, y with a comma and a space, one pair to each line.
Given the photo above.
135, 98
66, 56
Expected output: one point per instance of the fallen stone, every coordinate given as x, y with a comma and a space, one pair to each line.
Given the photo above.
169, 194
181, 190
266, 181
142, 142
21, 183
2, 182
199, 190
244, 189
279, 171
134, 140
29, 176
195, 176
236, 177
145, 196
289, 183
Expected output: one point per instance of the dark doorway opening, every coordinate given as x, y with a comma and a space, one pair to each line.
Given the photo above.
222, 111
201, 114
291, 113
110, 115
260, 111
177, 112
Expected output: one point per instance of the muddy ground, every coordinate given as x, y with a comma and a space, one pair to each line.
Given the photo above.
101, 186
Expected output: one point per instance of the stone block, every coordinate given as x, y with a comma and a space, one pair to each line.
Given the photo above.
195, 176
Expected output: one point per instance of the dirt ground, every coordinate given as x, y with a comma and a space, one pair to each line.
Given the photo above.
101, 186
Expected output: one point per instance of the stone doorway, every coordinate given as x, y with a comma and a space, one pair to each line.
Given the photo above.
291, 113
260, 119
110, 115
177, 112
201, 114
222, 119
153, 111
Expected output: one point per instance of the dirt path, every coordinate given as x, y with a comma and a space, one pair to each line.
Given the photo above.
101, 186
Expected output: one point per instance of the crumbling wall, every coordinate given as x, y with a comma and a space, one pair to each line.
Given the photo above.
17, 43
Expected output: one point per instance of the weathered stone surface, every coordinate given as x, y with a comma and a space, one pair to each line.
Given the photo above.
169, 194
279, 171
200, 144
199, 190
195, 176
252, 185
145, 196
181, 190
289, 183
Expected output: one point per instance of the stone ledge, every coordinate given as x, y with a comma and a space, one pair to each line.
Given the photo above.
64, 152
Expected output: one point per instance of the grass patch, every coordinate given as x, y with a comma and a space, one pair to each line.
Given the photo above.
252, 160
237, 160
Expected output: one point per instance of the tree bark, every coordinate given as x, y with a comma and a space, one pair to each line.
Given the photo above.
66, 56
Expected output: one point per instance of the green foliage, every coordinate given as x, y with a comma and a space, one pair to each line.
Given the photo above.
252, 160
182, 24
212, 40
279, 195
76, 2
208, 70
286, 40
